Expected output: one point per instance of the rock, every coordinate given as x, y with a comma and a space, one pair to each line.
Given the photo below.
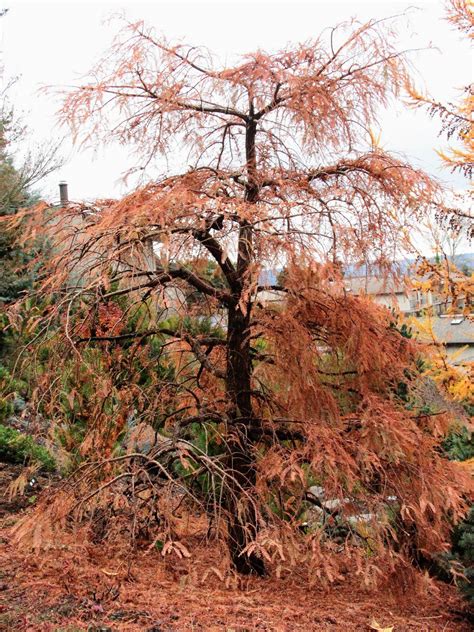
313, 517
334, 503
353, 520
142, 438
316, 491
19, 404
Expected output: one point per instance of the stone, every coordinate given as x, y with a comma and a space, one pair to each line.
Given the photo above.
317, 491
19, 404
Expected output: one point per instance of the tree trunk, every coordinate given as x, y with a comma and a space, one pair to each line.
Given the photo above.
242, 520
242, 514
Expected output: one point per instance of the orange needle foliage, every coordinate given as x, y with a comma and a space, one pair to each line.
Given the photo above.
282, 173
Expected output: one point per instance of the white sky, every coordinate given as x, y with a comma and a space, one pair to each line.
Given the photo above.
54, 43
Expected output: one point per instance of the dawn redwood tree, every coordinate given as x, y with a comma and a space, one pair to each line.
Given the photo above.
282, 170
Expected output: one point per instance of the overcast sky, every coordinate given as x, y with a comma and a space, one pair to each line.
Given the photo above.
47, 43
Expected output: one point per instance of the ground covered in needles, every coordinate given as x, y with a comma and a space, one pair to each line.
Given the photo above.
76, 586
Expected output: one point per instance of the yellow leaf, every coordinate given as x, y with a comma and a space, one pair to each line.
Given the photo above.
376, 626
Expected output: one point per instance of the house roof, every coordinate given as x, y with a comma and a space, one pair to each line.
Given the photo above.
452, 329
373, 285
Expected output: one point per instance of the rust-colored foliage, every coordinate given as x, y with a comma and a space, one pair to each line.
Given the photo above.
283, 396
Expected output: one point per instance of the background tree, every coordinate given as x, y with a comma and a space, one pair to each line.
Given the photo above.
19, 175
457, 125
283, 172
21, 170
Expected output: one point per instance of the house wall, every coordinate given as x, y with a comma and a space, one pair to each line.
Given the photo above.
406, 302
397, 301
66, 235
268, 297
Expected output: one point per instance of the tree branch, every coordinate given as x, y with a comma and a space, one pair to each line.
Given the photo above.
215, 249
174, 333
163, 277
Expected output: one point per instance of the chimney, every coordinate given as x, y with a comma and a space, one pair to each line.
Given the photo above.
63, 194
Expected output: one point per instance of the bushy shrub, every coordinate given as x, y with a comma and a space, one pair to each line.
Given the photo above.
9, 389
459, 444
6, 408
16, 447
463, 550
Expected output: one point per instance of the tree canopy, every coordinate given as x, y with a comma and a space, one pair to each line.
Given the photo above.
313, 392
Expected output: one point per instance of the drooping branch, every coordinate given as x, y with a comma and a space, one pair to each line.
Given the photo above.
202, 357
163, 277
208, 341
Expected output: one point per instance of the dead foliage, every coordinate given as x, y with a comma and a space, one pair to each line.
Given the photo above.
76, 585
247, 416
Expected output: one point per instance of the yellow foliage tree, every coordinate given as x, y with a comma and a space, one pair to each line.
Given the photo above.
457, 125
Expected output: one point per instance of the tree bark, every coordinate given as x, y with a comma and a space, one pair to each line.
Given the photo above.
242, 514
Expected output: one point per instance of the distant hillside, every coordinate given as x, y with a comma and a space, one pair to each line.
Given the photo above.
462, 261
465, 259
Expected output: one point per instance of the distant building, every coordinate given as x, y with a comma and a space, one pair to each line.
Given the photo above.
455, 332
403, 295
392, 293
67, 234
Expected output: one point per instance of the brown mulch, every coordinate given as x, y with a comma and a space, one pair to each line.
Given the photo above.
75, 586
